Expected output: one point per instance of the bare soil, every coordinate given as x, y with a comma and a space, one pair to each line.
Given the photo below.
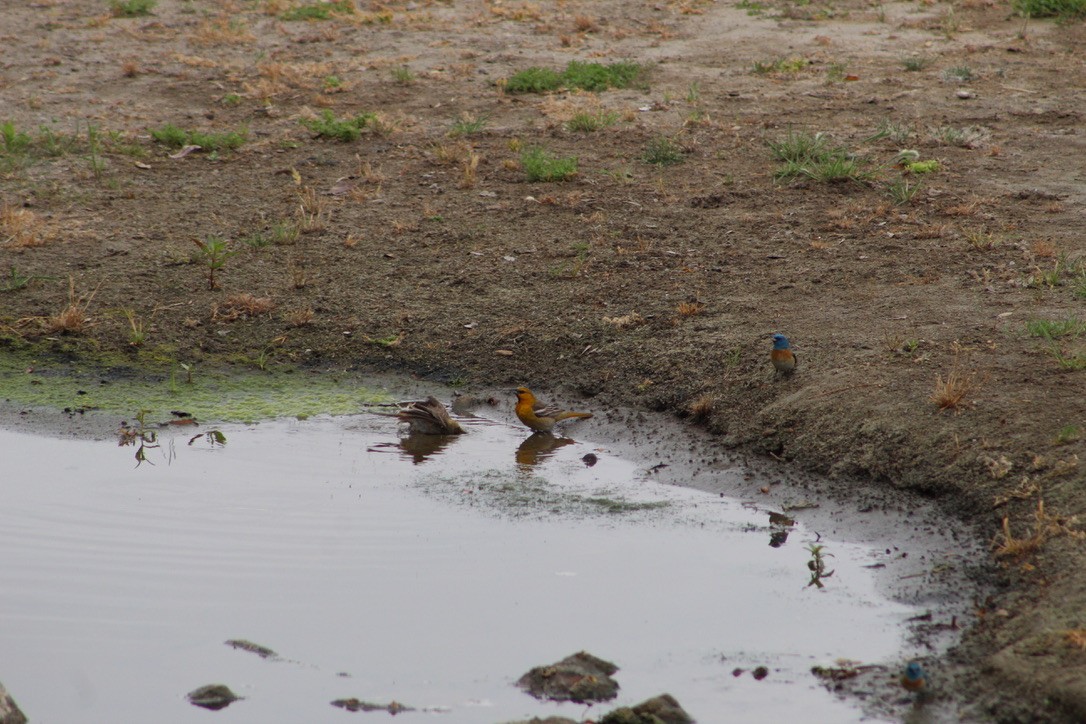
652, 286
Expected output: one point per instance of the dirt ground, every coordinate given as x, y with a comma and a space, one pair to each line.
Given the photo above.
422, 247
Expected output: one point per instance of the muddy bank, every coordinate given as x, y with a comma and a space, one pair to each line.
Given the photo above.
938, 329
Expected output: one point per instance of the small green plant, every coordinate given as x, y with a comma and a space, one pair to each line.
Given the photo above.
94, 150
798, 147
319, 11
174, 137
1051, 329
1068, 361
14, 140
586, 76
213, 254
915, 64
896, 132
902, 192
958, 74
137, 335
331, 83
131, 8
1079, 286
836, 72
964, 137
231, 99
16, 280
817, 565
752, 7
342, 129
922, 167
257, 240
541, 165
693, 93
534, 80
403, 75
780, 65
1068, 434
589, 122
284, 233
663, 151
1050, 8
468, 125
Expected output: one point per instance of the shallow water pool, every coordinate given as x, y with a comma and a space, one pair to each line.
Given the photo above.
381, 569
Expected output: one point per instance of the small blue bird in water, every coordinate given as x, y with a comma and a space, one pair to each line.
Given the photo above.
914, 678
782, 356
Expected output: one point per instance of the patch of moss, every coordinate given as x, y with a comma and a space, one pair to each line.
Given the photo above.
35, 378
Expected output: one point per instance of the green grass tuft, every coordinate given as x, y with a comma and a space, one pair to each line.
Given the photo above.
1050, 8
175, 137
345, 129
319, 11
131, 8
542, 165
662, 151
586, 76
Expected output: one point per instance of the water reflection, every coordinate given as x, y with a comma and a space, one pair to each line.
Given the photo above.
539, 446
418, 447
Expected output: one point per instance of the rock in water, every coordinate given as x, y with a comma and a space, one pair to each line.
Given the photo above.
9, 710
661, 709
581, 677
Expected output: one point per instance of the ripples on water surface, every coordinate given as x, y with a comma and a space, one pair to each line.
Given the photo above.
379, 573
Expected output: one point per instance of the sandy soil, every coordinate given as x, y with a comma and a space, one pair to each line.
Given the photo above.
418, 249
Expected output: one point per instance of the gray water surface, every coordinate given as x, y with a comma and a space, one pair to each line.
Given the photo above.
379, 572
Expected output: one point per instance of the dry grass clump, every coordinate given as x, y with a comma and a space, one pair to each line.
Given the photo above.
222, 30
1076, 637
299, 317
20, 228
701, 409
626, 320
312, 210
950, 393
1045, 527
690, 309
241, 305
469, 171
72, 319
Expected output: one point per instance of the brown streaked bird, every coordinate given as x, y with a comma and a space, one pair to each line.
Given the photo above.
428, 417
540, 417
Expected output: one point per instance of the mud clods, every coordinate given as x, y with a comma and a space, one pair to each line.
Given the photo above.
212, 696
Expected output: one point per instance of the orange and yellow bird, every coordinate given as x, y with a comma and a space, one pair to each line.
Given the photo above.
540, 417
428, 417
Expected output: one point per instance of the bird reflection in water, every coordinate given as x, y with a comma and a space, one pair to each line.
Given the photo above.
538, 447
418, 447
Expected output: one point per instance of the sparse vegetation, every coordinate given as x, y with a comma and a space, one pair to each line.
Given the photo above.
780, 66
663, 151
958, 74
915, 64
403, 75
1050, 8
589, 122
319, 10
806, 154
468, 125
817, 564
174, 137
585, 76
1045, 527
340, 129
131, 8
902, 192
213, 254
541, 165
73, 318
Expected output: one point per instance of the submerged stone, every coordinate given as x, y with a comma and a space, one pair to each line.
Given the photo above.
9, 710
581, 677
213, 696
393, 707
663, 709
262, 651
